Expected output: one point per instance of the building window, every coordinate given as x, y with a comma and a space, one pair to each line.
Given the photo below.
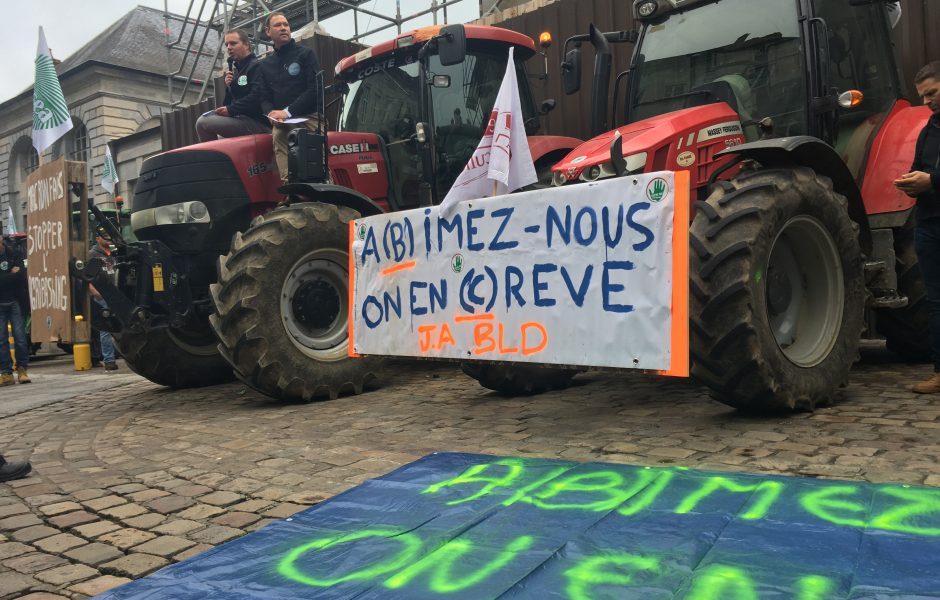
32, 161
78, 146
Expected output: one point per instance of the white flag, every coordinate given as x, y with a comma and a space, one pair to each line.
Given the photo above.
11, 220
503, 154
51, 119
109, 178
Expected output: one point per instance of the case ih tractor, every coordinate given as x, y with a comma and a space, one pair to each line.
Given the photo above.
273, 308
789, 116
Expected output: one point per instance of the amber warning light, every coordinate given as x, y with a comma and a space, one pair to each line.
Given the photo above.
545, 39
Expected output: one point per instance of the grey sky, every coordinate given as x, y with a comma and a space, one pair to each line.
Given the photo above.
70, 24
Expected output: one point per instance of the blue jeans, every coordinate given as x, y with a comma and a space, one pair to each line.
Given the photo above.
107, 342
10, 313
927, 245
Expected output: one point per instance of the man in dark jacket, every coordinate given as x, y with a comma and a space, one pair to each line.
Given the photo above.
12, 280
923, 183
240, 113
293, 86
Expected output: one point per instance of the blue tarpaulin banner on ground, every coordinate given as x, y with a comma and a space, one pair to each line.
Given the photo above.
465, 526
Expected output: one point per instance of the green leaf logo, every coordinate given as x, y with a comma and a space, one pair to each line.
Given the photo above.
656, 190
362, 232
456, 263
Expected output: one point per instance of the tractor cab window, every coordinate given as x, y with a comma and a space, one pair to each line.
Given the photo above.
697, 57
383, 99
859, 59
462, 108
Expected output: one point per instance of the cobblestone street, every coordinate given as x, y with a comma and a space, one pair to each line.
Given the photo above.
133, 478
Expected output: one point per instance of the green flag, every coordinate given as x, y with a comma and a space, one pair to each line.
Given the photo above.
109, 178
51, 119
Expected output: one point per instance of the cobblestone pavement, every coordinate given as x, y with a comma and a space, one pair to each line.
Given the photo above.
135, 478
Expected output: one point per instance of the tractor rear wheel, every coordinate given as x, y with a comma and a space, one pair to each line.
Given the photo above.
519, 379
777, 291
282, 305
174, 358
906, 329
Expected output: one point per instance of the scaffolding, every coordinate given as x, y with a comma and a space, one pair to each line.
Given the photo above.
200, 49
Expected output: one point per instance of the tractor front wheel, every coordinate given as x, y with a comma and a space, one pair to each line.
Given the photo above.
777, 291
282, 305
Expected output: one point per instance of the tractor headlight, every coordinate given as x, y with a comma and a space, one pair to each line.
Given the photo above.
647, 9
173, 214
635, 164
558, 179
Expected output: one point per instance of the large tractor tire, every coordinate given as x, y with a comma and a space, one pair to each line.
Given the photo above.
906, 329
282, 305
174, 358
777, 291
519, 379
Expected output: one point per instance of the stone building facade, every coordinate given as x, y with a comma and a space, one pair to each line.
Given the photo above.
116, 85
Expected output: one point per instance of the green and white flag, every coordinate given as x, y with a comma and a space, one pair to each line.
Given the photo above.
51, 119
109, 178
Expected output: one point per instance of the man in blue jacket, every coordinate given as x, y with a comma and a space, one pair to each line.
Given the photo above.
923, 183
293, 86
240, 113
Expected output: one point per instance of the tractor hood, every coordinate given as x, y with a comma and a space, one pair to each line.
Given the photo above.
678, 140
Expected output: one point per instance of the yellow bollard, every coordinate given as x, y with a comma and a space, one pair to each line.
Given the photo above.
81, 352
12, 344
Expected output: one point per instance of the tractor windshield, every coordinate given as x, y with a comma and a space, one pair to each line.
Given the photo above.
383, 98
743, 52
462, 108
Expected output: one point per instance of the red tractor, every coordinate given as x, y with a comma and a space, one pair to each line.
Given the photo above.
790, 117
220, 280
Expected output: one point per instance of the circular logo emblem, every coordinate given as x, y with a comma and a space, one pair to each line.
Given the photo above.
656, 189
4, 266
293, 69
686, 159
243, 80
362, 232
456, 263
579, 159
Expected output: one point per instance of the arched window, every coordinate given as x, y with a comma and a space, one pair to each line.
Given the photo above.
76, 147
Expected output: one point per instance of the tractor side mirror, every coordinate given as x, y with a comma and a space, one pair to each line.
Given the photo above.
452, 45
571, 71
548, 105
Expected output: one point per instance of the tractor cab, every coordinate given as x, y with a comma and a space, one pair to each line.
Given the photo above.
786, 68
816, 67
428, 111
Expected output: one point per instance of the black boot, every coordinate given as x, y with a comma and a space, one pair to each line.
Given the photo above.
10, 471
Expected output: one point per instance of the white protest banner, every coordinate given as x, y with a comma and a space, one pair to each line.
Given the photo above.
594, 274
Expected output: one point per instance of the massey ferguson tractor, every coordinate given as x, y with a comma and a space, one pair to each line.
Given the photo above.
221, 280
790, 118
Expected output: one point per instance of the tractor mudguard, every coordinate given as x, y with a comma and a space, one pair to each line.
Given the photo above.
336, 195
807, 151
543, 145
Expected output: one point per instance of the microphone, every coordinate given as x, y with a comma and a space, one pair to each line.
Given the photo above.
231, 64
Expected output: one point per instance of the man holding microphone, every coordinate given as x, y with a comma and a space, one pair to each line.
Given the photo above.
240, 113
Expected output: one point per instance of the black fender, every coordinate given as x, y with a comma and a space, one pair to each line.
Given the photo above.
332, 194
807, 151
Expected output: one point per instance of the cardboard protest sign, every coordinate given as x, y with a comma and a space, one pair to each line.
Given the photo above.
49, 248
592, 275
